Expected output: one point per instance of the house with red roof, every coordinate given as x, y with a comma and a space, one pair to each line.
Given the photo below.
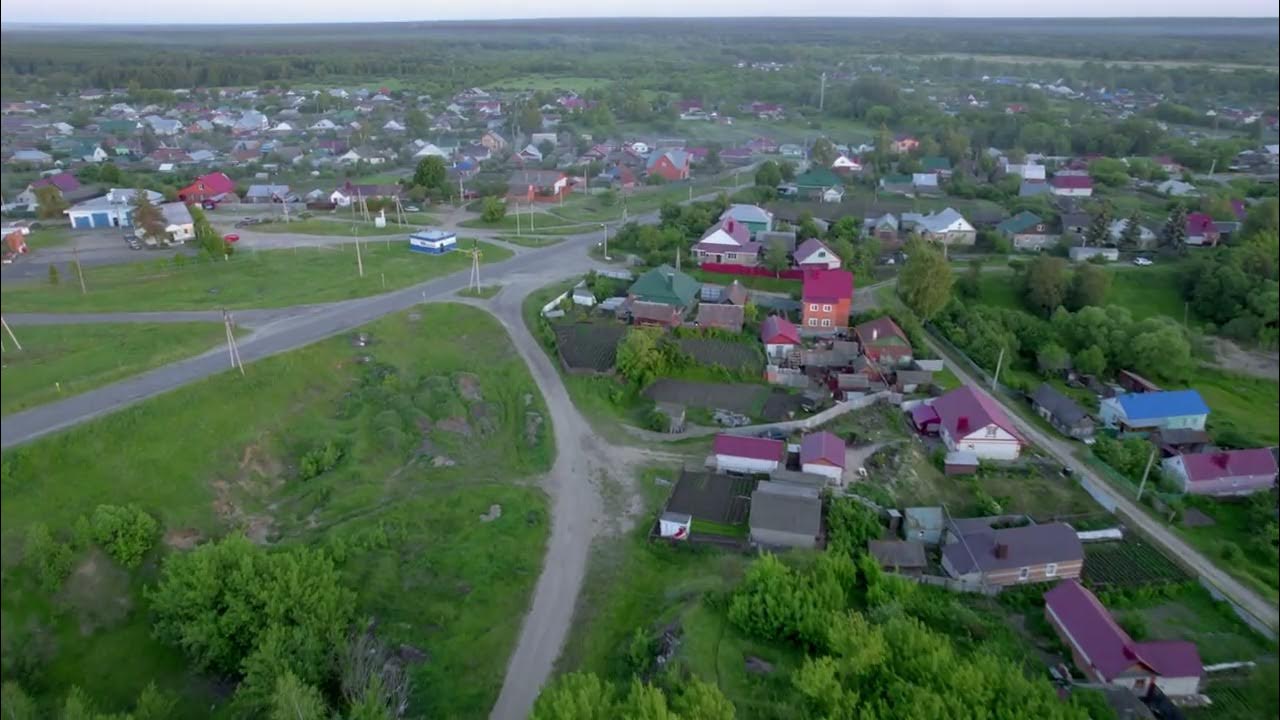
1103, 652
969, 419
822, 453
780, 337
67, 185
904, 144
1064, 185
207, 187
814, 254
728, 241
1223, 472
1201, 229
825, 300
747, 455
882, 341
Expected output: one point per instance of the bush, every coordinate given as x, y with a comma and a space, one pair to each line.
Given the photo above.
47, 558
125, 532
1230, 552
1135, 625
320, 460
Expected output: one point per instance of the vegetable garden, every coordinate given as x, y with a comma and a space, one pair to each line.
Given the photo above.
1128, 563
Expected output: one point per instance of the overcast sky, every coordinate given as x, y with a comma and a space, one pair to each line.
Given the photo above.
256, 11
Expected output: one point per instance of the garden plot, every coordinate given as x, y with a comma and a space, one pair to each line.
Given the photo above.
755, 401
711, 497
1128, 563
588, 346
725, 353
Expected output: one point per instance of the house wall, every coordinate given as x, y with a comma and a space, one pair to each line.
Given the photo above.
837, 315
824, 469
1237, 485
1112, 415
998, 446
735, 464
1034, 242
779, 538
778, 351
1036, 574
1072, 192
1179, 686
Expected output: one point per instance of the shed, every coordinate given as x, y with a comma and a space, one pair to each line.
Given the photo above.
905, 557
674, 526
822, 453
742, 454
784, 515
924, 524
961, 462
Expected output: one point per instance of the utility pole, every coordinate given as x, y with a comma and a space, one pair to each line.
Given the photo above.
473, 283
75, 251
517, 219
995, 379
359, 259
10, 331
531, 217
606, 240
822, 92
233, 350
1150, 461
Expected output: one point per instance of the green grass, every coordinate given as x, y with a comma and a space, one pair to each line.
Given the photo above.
1234, 524
337, 227
407, 534
543, 223
568, 83
48, 237
946, 379
530, 240
1248, 405
276, 278
754, 282
724, 529
483, 292
58, 361
1144, 292
1192, 614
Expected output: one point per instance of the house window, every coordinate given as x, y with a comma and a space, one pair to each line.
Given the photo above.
1024, 573
813, 322
731, 256
813, 308
991, 431
1051, 570
826, 322
826, 308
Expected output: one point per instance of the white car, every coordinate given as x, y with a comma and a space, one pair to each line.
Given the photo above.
1142, 262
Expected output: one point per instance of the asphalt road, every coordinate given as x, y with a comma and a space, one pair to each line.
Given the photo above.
1063, 451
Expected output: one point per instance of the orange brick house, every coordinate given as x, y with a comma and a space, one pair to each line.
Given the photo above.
826, 300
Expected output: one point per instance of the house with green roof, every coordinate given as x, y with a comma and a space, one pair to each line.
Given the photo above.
665, 285
903, 184
817, 180
1028, 231
937, 164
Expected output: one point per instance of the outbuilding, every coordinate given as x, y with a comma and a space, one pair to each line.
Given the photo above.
785, 515
433, 242
747, 455
822, 453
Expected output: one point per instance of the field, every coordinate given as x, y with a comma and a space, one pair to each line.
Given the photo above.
530, 240
276, 278
1239, 524
1128, 563
543, 223
58, 361
432, 435
1188, 612
484, 292
738, 356
1246, 405
1144, 292
589, 346
335, 227
550, 83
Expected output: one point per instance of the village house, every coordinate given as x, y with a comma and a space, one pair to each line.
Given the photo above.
728, 242
1062, 412
529, 186
822, 453
904, 144
981, 552
780, 337
65, 183
1071, 185
1027, 231
845, 165
1146, 238
826, 297
726, 316
1029, 172
785, 516
904, 557
1223, 472
663, 286
115, 209
813, 254
884, 228
1201, 230
350, 192
969, 419
756, 219
883, 342
179, 226
946, 226
747, 455
268, 194
672, 165
1104, 653
1176, 409
211, 186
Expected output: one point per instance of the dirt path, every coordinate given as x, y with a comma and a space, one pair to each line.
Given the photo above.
1255, 363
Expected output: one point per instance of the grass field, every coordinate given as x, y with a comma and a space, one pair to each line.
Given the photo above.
276, 278
333, 228
530, 240
484, 292
1145, 292
543, 224
1248, 405
1192, 614
405, 527
1235, 524
82, 357
48, 237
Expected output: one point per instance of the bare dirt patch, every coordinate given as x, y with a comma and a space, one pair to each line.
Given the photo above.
97, 592
258, 474
457, 426
1256, 363
182, 538
468, 386
532, 427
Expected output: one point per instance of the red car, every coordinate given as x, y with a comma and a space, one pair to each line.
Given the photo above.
231, 238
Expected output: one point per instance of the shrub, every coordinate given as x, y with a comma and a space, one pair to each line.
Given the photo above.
320, 460
1230, 552
49, 559
1135, 625
125, 532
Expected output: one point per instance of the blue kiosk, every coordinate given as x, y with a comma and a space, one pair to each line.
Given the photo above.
432, 242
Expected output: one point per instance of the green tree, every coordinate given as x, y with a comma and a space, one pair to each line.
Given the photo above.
823, 153
1045, 283
530, 119
1091, 361
1109, 172
807, 227
125, 532
1099, 231
225, 601
1263, 217
925, 281
48, 559
1131, 235
608, 198
53, 274
698, 700
147, 217
970, 285
775, 257
850, 524
492, 210
416, 123
768, 174
1174, 234
109, 174
430, 173
1089, 286
49, 203
78, 706
15, 704
576, 696
1052, 358
154, 704
640, 356
296, 700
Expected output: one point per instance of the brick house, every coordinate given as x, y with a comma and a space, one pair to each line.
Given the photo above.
825, 300
979, 552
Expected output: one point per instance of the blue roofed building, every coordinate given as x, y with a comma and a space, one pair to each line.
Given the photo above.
1176, 409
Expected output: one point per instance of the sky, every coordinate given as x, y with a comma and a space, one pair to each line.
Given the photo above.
284, 11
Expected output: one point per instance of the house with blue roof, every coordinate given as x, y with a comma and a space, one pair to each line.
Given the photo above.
1176, 409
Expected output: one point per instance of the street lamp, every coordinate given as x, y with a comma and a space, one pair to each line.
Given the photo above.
605, 228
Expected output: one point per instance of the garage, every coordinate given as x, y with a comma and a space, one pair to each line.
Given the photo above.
101, 220
82, 222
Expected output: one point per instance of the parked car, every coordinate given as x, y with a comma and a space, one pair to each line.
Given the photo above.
774, 434
231, 238
1143, 262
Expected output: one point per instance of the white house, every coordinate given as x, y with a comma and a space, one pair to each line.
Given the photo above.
430, 150
282, 128
946, 226
1117, 228
813, 254
115, 209
178, 224
1026, 171
1176, 409
323, 124
846, 164
969, 419
747, 455
392, 126
780, 337
1177, 188
833, 194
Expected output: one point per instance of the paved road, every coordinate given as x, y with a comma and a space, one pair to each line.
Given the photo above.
1063, 450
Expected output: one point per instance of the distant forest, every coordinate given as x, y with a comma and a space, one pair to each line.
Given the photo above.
443, 57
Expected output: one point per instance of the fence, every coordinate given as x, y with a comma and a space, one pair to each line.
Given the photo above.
789, 377
955, 585
744, 270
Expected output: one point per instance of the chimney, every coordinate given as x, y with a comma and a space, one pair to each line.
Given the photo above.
875, 333
1221, 459
1002, 550
671, 280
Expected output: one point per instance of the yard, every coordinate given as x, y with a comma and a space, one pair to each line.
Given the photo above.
58, 361
336, 226
753, 282
1235, 537
275, 278
432, 436
589, 345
